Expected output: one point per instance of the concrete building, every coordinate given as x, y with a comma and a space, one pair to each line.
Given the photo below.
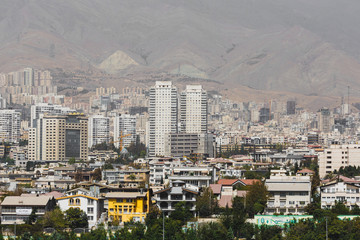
193, 109
337, 156
287, 194
198, 176
59, 137
290, 107
41, 108
341, 189
16, 209
188, 144
163, 116
88, 201
10, 121
325, 120
99, 130
166, 199
125, 124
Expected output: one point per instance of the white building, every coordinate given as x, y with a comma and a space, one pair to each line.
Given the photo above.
84, 199
193, 109
337, 156
10, 121
99, 130
125, 124
287, 194
343, 190
163, 116
41, 108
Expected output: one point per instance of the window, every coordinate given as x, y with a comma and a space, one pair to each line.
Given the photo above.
90, 210
77, 201
90, 201
90, 218
71, 201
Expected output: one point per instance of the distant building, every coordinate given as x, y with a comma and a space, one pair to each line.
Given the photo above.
10, 121
38, 110
290, 107
99, 130
188, 144
163, 116
325, 120
124, 124
264, 115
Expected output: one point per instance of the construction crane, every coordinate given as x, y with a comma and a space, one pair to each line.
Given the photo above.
120, 141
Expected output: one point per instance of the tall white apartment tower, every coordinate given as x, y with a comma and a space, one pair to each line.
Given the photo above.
193, 109
99, 130
41, 108
125, 124
163, 116
10, 121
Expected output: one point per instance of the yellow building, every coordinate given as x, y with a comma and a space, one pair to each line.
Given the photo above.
127, 206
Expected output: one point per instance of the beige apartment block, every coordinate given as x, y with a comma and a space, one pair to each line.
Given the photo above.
337, 156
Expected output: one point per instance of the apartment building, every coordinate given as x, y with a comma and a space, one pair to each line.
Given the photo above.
10, 121
124, 125
287, 194
337, 156
99, 130
167, 198
163, 116
193, 109
340, 189
160, 168
40, 109
59, 137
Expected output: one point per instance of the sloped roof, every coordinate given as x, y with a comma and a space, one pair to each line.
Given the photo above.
248, 182
225, 200
216, 188
228, 182
26, 201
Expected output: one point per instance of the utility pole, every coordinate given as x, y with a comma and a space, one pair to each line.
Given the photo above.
326, 228
163, 227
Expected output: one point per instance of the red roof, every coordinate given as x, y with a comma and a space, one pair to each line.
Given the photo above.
248, 182
228, 182
306, 170
226, 201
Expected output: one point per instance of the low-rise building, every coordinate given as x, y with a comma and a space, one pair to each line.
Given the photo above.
16, 209
89, 202
166, 199
128, 205
287, 194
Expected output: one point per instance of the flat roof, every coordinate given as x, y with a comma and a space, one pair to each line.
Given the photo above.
26, 201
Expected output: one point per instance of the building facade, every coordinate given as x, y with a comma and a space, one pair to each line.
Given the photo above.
99, 130
59, 137
10, 121
163, 116
124, 125
193, 109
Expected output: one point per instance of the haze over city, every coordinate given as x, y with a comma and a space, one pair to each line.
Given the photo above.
179, 119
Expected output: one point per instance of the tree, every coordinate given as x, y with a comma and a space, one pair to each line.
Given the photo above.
181, 212
53, 219
76, 218
97, 176
72, 161
32, 217
256, 198
206, 203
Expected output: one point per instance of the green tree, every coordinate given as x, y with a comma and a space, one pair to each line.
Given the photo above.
76, 218
256, 198
53, 219
181, 212
206, 203
72, 161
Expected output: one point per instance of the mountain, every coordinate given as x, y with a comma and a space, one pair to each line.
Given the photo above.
302, 46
